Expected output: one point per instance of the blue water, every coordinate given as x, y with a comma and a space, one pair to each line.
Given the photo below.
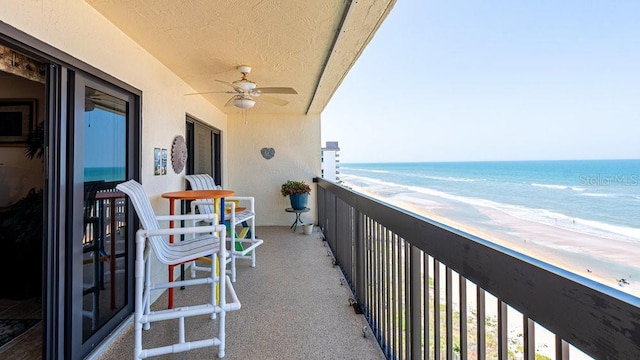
104, 173
599, 197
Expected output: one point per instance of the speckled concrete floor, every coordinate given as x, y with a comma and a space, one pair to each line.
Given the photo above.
293, 307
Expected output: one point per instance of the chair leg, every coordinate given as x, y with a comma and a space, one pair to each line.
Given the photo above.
140, 270
253, 239
232, 254
214, 283
147, 286
193, 269
223, 302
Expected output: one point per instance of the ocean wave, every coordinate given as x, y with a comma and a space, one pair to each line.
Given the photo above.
379, 171
559, 187
451, 178
598, 195
550, 186
615, 229
368, 181
366, 170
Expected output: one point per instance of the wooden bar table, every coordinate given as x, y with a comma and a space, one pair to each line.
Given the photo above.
193, 195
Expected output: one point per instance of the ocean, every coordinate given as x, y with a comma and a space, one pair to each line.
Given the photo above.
597, 202
104, 173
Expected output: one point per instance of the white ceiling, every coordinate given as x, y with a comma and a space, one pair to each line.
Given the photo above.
305, 44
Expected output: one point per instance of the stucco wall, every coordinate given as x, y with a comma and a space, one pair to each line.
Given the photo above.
18, 174
296, 141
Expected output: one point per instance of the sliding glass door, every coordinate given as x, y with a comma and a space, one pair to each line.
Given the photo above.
204, 146
100, 248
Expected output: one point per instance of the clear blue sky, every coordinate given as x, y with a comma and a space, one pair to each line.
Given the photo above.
104, 139
467, 80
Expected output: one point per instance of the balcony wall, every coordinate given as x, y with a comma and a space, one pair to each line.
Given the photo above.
295, 139
400, 264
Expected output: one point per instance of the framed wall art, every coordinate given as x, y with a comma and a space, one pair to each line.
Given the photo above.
17, 120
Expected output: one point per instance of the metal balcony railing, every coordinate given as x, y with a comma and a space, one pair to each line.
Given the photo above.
430, 291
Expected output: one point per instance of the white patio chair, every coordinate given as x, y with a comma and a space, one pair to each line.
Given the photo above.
205, 243
246, 218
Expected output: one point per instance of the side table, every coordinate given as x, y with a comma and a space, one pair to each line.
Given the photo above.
294, 226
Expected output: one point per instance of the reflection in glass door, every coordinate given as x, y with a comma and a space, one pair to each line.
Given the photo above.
100, 251
103, 258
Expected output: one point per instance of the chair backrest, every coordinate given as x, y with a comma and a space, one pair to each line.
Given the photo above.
203, 182
141, 203
147, 217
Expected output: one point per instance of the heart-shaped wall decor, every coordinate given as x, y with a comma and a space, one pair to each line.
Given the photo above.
268, 153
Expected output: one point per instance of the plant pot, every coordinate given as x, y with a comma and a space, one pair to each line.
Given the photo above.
299, 201
307, 229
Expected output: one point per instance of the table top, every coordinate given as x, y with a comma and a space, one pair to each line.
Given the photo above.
296, 210
198, 194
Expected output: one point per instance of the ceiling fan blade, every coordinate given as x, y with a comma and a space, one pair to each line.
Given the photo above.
212, 92
230, 102
273, 100
275, 90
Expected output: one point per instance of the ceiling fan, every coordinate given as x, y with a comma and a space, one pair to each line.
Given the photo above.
245, 92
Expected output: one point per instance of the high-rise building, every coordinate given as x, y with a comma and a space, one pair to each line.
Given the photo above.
330, 161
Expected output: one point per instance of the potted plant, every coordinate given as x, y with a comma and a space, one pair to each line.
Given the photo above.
298, 192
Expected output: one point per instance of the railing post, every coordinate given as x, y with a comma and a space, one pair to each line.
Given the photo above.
415, 288
503, 336
481, 341
436, 309
463, 317
425, 305
562, 349
529, 338
359, 260
449, 312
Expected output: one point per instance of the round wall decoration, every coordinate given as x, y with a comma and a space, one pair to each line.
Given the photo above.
178, 154
268, 153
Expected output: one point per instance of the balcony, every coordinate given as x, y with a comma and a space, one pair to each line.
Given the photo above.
492, 303
295, 305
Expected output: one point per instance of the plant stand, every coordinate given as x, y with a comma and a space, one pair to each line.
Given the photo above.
294, 226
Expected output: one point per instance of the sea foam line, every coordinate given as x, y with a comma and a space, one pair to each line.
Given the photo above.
449, 178
366, 170
599, 195
558, 187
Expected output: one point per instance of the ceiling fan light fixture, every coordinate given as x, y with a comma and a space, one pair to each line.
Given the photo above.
244, 103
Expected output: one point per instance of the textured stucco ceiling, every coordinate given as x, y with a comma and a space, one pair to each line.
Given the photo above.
308, 45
